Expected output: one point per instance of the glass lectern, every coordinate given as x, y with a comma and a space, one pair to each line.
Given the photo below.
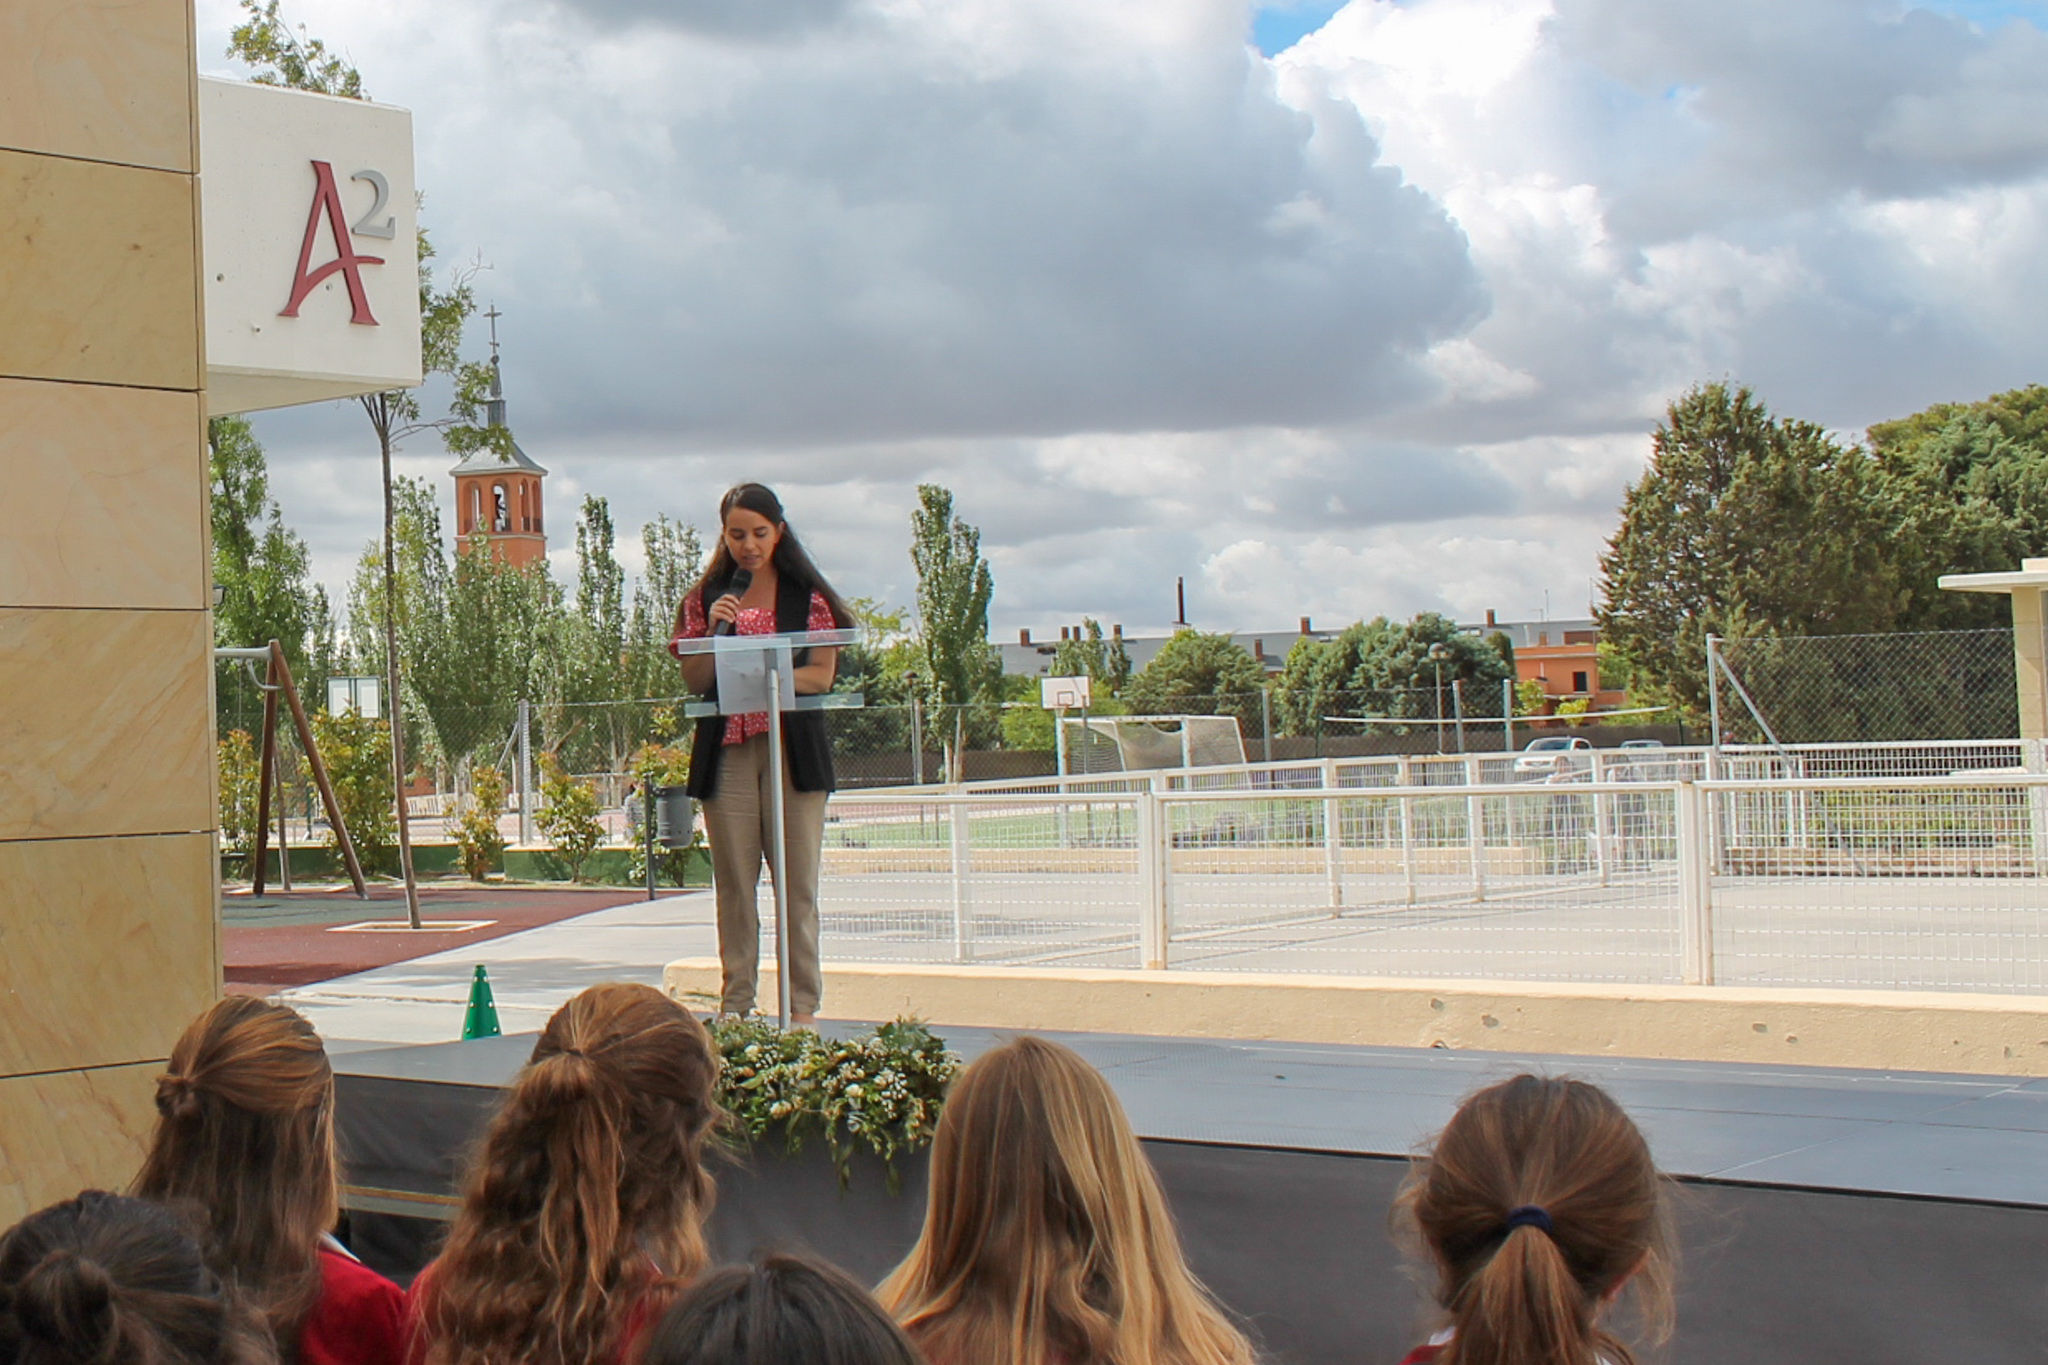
757, 673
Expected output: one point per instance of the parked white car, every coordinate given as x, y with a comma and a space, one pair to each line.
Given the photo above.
1539, 758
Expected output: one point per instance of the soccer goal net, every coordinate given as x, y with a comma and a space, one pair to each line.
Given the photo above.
1114, 744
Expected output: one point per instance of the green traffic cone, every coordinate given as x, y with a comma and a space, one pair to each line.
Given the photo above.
480, 1020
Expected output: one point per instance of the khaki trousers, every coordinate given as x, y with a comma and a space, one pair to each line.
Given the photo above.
736, 818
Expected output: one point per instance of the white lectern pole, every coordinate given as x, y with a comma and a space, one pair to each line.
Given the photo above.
778, 851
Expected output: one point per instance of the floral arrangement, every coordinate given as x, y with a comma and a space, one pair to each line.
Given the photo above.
881, 1090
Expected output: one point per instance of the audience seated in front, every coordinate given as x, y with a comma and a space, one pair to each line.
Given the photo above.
784, 1309
244, 1145
1537, 1206
1046, 1238
107, 1280
583, 1211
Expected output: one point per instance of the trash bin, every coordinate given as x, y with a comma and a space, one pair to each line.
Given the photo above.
675, 817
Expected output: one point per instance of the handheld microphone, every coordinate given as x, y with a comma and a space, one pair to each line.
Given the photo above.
741, 581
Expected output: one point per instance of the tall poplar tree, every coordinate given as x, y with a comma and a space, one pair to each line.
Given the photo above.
956, 666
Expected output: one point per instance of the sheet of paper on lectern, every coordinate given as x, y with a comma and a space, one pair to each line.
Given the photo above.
743, 680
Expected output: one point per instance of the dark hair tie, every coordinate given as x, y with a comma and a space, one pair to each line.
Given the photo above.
1529, 1216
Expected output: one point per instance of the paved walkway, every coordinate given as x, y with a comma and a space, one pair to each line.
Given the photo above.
532, 971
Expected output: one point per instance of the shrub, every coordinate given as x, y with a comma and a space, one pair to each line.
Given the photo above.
659, 765
569, 816
240, 774
476, 832
357, 752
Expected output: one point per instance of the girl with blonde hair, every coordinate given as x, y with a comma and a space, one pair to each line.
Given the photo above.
583, 1211
1538, 1205
1046, 1238
244, 1141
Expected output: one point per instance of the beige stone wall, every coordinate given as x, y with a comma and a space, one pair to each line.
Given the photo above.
1997, 1035
109, 940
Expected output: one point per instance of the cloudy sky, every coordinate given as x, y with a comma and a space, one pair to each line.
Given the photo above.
1334, 310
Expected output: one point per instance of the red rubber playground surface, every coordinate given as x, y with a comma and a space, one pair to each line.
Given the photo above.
290, 938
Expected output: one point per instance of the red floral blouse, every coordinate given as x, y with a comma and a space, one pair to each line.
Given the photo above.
753, 621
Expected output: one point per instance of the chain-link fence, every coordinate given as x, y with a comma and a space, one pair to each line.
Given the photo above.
1862, 689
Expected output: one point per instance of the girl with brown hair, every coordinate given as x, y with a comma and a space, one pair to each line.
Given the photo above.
245, 1139
583, 1211
760, 581
1538, 1205
106, 1280
1046, 1238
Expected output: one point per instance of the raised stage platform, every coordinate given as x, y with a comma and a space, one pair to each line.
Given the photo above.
1825, 1214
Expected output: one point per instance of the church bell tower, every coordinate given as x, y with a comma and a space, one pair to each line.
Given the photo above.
498, 497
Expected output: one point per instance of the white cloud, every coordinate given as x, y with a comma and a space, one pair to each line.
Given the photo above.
1378, 326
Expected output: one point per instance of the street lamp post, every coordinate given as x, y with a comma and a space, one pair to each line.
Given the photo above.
1438, 652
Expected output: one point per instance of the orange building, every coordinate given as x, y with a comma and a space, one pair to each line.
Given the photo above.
498, 498
1562, 656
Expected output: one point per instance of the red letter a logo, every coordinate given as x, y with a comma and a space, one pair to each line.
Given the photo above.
327, 200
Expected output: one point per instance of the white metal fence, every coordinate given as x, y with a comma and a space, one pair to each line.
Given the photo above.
1921, 882
1749, 762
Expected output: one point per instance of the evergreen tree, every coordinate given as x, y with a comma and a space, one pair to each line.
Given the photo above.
1745, 524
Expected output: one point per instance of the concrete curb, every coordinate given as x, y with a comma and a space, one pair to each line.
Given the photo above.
1977, 1034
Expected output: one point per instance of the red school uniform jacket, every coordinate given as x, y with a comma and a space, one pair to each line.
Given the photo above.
359, 1318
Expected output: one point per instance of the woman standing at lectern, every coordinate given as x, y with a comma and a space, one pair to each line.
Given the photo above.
760, 582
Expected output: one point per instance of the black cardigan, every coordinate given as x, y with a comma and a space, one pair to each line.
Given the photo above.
803, 732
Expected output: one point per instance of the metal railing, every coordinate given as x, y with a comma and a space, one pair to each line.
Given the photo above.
1754, 762
1892, 883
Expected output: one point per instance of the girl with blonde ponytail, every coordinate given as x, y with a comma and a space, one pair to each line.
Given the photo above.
1046, 1238
583, 1211
1538, 1205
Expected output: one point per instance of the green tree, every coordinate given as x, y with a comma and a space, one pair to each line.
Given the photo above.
261, 565
1744, 524
674, 555
1088, 654
1970, 485
956, 667
1384, 668
596, 666
1199, 675
284, 56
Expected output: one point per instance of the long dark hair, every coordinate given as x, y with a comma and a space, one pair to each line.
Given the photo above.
107, 1280
245, 1132
589, 1192
791, 561
784, 1308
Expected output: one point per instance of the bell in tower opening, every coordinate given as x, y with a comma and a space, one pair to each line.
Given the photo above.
498, 496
